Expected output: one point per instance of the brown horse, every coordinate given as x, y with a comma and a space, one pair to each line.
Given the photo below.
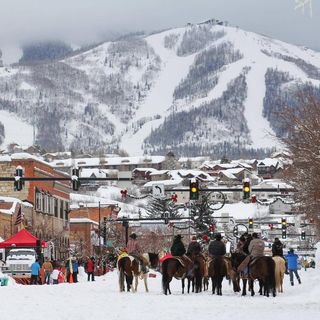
197, 277
175, 267
129, 268
262, 268
280, 268
217, 270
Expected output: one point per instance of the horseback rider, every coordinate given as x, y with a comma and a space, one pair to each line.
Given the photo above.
256, 246
194, 248
255, 249
133, 250
248, 238
205, 243
277, 250
217, 248
241, 243
178, 249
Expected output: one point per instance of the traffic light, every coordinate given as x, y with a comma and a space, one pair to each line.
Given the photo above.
166, 217
246, 190
75, 179
303, 235
284, 234
18, 183
283, 223
194, 190
284, 228
250, 222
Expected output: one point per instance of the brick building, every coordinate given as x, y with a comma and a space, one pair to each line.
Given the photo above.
84, 226
50, 199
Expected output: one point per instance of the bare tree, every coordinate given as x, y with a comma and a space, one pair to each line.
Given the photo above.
303, 142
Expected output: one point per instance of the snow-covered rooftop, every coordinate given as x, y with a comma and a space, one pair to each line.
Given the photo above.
113, 161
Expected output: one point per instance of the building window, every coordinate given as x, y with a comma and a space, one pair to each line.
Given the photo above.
38, 201
55, 205
67, 210
61, 209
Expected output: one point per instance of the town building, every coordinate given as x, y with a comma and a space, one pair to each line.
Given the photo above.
50, 199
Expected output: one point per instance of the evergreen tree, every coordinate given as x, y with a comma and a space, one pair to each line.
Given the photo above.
163, 208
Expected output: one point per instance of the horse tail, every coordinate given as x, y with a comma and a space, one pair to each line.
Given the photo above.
165, 276
121, 267
277, 273
271, 273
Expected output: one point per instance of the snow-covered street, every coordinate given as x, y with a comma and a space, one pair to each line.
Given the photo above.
102, 300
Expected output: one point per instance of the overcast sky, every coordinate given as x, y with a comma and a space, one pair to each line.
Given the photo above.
83, 21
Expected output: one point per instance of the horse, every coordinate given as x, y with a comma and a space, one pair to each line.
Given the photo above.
217, 270
198, 274
280, 268
128, 267
175, 267
261, 268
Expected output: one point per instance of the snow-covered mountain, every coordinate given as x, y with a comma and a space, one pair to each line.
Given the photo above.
201, 89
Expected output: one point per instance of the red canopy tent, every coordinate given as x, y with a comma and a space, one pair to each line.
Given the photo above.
22, 239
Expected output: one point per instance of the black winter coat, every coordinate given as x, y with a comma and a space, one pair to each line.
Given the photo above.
177, 248
217, 248
194, 247
277, 249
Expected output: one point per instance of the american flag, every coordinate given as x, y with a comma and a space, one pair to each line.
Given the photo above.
19, 218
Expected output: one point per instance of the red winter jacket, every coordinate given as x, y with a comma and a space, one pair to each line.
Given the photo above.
90, 266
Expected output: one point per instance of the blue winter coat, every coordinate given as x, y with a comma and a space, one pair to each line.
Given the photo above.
35, 269
292, 259
74, 266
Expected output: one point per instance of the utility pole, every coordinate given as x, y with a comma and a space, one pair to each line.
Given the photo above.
99, 230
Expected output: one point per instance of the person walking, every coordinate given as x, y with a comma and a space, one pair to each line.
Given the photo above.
47, 268
292, 259
35, 272
90, 268
216, 247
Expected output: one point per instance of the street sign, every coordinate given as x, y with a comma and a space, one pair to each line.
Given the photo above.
158, 190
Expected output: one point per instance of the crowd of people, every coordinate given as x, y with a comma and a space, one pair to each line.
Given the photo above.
55, 272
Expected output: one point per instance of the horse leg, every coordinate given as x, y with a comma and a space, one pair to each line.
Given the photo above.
189, 282
134, 289
244, 287
261, 288
183, 285
145, 279
251, 287
129, 282
213, 284
220, 286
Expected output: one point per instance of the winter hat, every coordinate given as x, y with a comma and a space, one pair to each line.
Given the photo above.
178, 236
218, 236
194, 238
